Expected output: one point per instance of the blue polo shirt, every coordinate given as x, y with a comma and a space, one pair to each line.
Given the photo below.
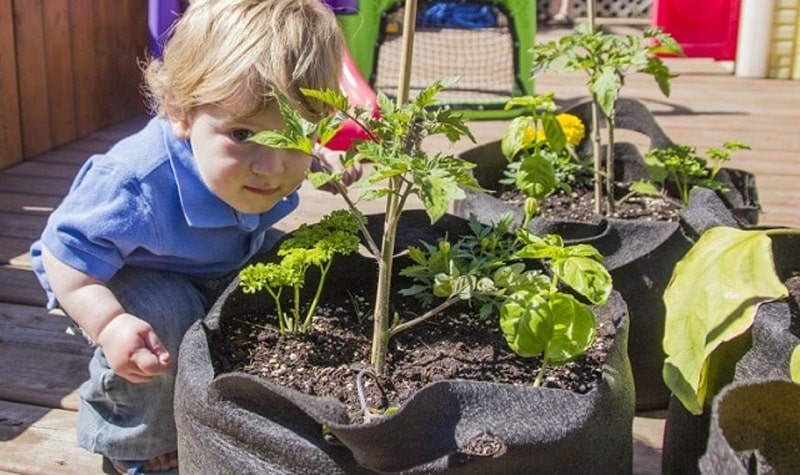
144, 204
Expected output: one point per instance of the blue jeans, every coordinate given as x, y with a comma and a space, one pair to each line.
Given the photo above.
127, 421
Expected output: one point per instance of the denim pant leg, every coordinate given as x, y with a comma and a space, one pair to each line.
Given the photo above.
127, 421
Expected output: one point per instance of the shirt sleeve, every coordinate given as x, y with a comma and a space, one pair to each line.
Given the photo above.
103, 218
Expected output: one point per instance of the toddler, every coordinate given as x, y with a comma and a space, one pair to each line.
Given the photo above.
153, 230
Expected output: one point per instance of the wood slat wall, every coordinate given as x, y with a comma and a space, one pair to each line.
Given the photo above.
67, 68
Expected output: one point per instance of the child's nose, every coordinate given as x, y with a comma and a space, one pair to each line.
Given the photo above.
268, 162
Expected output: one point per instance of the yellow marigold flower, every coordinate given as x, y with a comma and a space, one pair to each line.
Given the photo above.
572, 126
530, 133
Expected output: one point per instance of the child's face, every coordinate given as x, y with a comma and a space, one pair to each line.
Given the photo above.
249, 177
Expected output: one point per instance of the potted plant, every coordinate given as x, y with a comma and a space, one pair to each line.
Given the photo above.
600, 191
547, 296
731, 322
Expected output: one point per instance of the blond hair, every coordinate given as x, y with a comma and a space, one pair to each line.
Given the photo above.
241, 53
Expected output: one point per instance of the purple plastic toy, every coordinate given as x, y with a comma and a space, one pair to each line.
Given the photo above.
343, 7
160, 16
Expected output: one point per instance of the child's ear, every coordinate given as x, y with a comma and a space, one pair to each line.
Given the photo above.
181, 125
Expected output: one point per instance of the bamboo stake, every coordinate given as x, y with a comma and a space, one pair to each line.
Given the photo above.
596, 140
380, 331
407, 53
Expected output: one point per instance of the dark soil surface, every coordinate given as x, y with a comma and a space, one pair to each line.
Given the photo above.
328, 359
579, 206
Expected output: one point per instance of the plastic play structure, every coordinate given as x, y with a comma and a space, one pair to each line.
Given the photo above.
704, 29
359, 93
365, 31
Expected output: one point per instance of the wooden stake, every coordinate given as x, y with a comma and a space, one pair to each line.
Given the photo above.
409, 27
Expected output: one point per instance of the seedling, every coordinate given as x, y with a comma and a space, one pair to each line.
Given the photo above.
682, 166
607, 59
398, 170
540, 149
309, 246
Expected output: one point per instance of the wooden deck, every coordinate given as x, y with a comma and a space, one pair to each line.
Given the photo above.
41, 367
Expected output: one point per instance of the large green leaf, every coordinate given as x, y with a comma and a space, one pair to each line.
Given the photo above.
712, 298
555, 323
527, 323
794, 365
586, 276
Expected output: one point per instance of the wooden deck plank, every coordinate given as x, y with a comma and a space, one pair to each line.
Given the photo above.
37, 185
42, 377
28, 203
63, 155
19, 285
22, 225
38, 328
40, 440
14, 252
39, 169
49, 364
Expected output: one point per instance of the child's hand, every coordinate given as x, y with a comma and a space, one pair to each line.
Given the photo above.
132, 349
328, 159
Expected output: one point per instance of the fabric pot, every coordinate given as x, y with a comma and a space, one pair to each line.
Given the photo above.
639, 254
237, 423
755, 428
768, 348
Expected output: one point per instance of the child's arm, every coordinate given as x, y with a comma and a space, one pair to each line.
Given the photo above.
132, 348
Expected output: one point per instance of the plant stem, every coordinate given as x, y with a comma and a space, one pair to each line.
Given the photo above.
540, 374
296, 309
598, 162
596, 144
380, 330
429, 314
610, 165
342, 190
323, 269
276, 296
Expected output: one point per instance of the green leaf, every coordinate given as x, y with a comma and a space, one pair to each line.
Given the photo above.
655, 166
513, 140
575, 328
333, 97
536, 177
556, 139
646, 188
712, 298
556, 323
527, 323
436, 193
794, 365
586, 276
605, 86
269, 138
318, 179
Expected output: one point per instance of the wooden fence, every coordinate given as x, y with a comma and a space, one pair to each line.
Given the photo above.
67, 68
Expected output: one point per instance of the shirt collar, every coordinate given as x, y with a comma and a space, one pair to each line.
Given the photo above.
201, 208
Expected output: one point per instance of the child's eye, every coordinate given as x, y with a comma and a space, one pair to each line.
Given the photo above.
241, 135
